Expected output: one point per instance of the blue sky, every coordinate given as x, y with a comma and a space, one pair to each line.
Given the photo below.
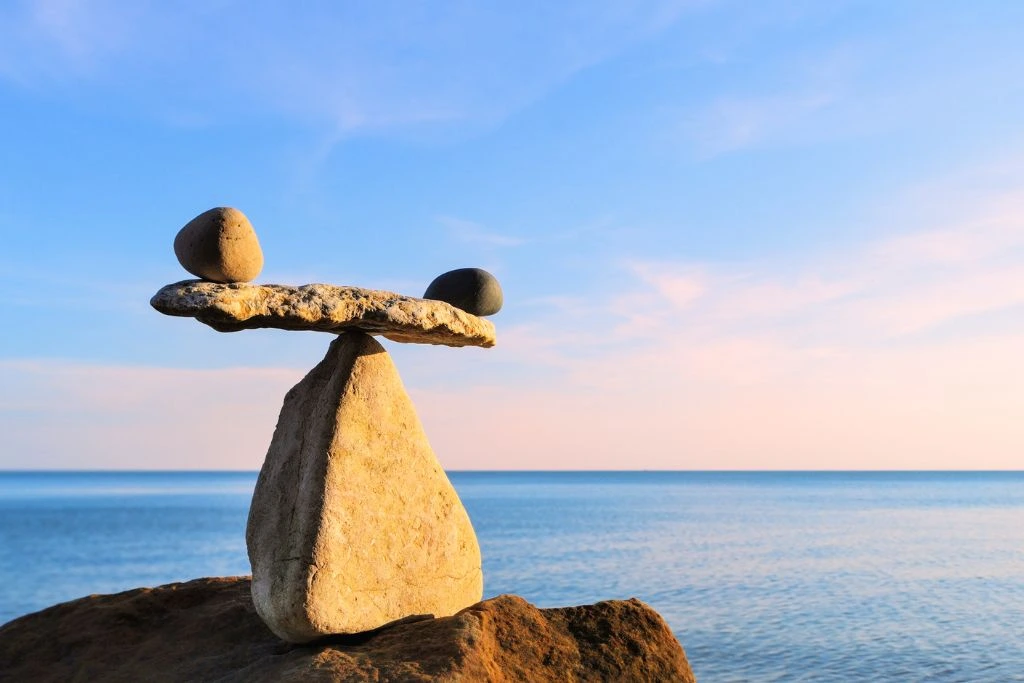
730, 234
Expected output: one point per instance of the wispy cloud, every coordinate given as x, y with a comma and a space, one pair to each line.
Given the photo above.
474, 233
878, 75
62, 39
351, 69
732, 123
806, 98
902, 352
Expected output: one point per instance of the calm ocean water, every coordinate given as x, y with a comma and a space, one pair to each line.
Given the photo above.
763, 576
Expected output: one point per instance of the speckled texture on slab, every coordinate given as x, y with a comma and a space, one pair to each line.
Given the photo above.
325, 308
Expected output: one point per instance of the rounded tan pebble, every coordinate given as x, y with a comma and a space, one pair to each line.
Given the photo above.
220, 245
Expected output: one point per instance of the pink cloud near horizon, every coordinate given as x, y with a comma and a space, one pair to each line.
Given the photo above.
902, 353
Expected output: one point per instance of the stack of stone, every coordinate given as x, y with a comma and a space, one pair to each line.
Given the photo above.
353, 523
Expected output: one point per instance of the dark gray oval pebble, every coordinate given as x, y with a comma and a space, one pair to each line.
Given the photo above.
474, 290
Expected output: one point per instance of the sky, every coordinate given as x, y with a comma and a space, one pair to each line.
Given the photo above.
731, 235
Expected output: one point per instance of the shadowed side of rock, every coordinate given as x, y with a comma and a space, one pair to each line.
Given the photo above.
207, 629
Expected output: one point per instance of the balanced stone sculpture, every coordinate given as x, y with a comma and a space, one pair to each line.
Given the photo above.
355, 534
353, 523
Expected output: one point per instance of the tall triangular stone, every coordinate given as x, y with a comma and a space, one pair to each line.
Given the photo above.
353, 522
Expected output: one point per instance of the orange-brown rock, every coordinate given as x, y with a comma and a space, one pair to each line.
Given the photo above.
207, 629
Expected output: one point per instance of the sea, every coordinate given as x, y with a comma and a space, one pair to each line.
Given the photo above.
763, 576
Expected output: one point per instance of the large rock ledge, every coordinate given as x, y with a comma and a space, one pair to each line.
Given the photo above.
323, 308
208, 630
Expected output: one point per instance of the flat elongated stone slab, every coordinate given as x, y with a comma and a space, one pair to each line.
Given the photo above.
325, 308
353, 523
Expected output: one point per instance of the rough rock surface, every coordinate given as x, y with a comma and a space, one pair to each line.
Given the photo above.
220, 245
207, 630
474, 290
325, 308
353, 522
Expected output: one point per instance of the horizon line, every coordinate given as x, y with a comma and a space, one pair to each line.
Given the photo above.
534, 471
